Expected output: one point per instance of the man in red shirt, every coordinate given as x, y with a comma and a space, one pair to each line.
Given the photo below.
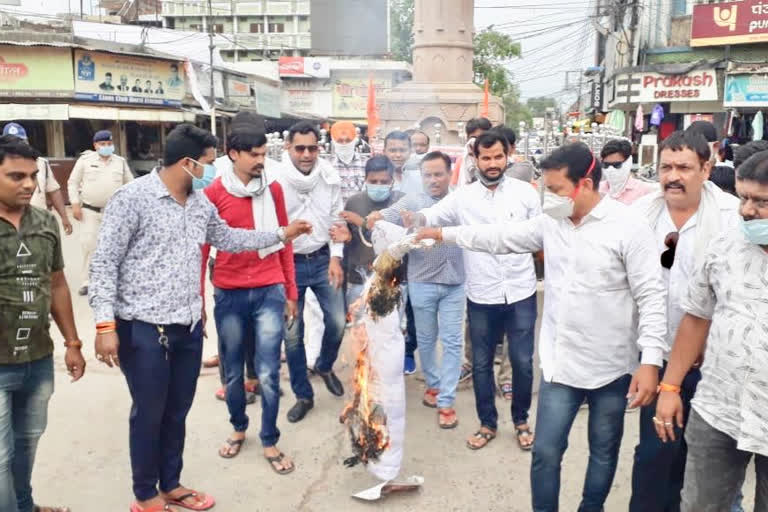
254, 291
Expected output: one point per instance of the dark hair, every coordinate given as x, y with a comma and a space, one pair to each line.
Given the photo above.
724, 177
577, 159
243, 139
507, 132
379, 163
414, 132
616, 146
303, 128
11, 145
705, 129
247, 119
680, 140
397, 135
741, 153
488, 139
187, 141
108, 73
754, 169
437, 155
726, 148
477, 123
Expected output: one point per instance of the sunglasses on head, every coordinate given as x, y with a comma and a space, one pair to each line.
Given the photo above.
312, 148
668, 256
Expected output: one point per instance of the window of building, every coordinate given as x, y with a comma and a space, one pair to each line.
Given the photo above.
257, 28
678, 7
276, 28
218, 28
198, 28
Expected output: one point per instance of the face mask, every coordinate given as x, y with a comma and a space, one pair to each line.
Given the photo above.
557, 207
209, 174
618, 178
106, 150
378, 193
346, 152
755, 230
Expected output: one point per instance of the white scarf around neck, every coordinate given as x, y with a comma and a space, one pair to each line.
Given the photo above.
262, 204
305, 183
708, 222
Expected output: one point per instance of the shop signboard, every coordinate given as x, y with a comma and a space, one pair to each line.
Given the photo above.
112, 78
35, 72
350, 96
747, 90
315, 67
722, 23
267, 99
306, 97
239, 91
697, 85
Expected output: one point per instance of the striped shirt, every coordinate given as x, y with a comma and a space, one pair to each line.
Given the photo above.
441, 264
352, 175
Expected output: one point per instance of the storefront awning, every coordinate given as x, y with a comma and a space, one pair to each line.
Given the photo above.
125, 114
34, 112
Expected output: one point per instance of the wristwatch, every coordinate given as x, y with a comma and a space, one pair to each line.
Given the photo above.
280, 232
73, 344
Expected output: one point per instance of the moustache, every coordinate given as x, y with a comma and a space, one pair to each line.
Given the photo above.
675, 185
492, 169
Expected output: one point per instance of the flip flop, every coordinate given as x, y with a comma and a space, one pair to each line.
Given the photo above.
524, 432
488, 436
136, 508
447, 412
232, 443
279, 459
506, 390
430, 392
52, 509
201, 503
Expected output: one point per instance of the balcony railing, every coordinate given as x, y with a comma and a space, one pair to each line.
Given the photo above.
269, 42
238, 8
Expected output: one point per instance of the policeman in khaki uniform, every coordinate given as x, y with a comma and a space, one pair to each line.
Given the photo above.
95, 177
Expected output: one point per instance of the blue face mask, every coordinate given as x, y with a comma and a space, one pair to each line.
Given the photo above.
209, 174
378, 193
106, 150
756, 230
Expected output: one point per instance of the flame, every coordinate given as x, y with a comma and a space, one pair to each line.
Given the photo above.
365, 420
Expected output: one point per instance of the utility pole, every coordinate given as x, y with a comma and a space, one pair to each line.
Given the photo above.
81, 10
211, 47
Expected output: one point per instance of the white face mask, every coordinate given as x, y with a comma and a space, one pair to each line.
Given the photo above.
557, 207
345, 152
618, 178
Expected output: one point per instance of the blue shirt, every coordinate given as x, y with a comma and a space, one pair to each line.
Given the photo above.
441, 264
147, 263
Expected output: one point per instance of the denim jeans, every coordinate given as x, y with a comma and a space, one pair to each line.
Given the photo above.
487, 325
558, 405
658, 470
312, 272
439, 312
162, 382
252, 317
715, 470
25, 390
411, 338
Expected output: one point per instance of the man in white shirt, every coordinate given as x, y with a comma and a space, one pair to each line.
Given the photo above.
686, 212
501, 290
313, 192
725, 312
604, 300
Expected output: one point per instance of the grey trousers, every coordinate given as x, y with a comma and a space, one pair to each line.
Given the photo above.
714, 471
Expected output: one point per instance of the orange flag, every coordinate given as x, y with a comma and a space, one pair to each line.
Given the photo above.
484, 112
373, 112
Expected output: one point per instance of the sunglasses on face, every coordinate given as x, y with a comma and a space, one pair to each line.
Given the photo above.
668, 256
311, 149
615, 165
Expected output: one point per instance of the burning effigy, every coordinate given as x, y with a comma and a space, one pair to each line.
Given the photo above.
375, 418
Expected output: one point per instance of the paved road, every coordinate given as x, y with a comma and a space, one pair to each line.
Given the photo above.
83, 457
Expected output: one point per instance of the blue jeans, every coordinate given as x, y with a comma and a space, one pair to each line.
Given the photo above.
487, 325
250, 323
439, 307
162, 382
25, 390
312, 272
411, 337
658, 470
558, 405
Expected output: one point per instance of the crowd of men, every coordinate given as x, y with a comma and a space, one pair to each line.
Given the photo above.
654, 297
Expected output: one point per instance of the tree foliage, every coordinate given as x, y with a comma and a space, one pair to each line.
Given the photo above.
538, 106
401, 29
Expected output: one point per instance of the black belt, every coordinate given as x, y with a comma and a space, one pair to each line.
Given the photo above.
94, 208
323, 251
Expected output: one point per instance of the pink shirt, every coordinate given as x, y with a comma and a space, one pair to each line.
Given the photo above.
634, 190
